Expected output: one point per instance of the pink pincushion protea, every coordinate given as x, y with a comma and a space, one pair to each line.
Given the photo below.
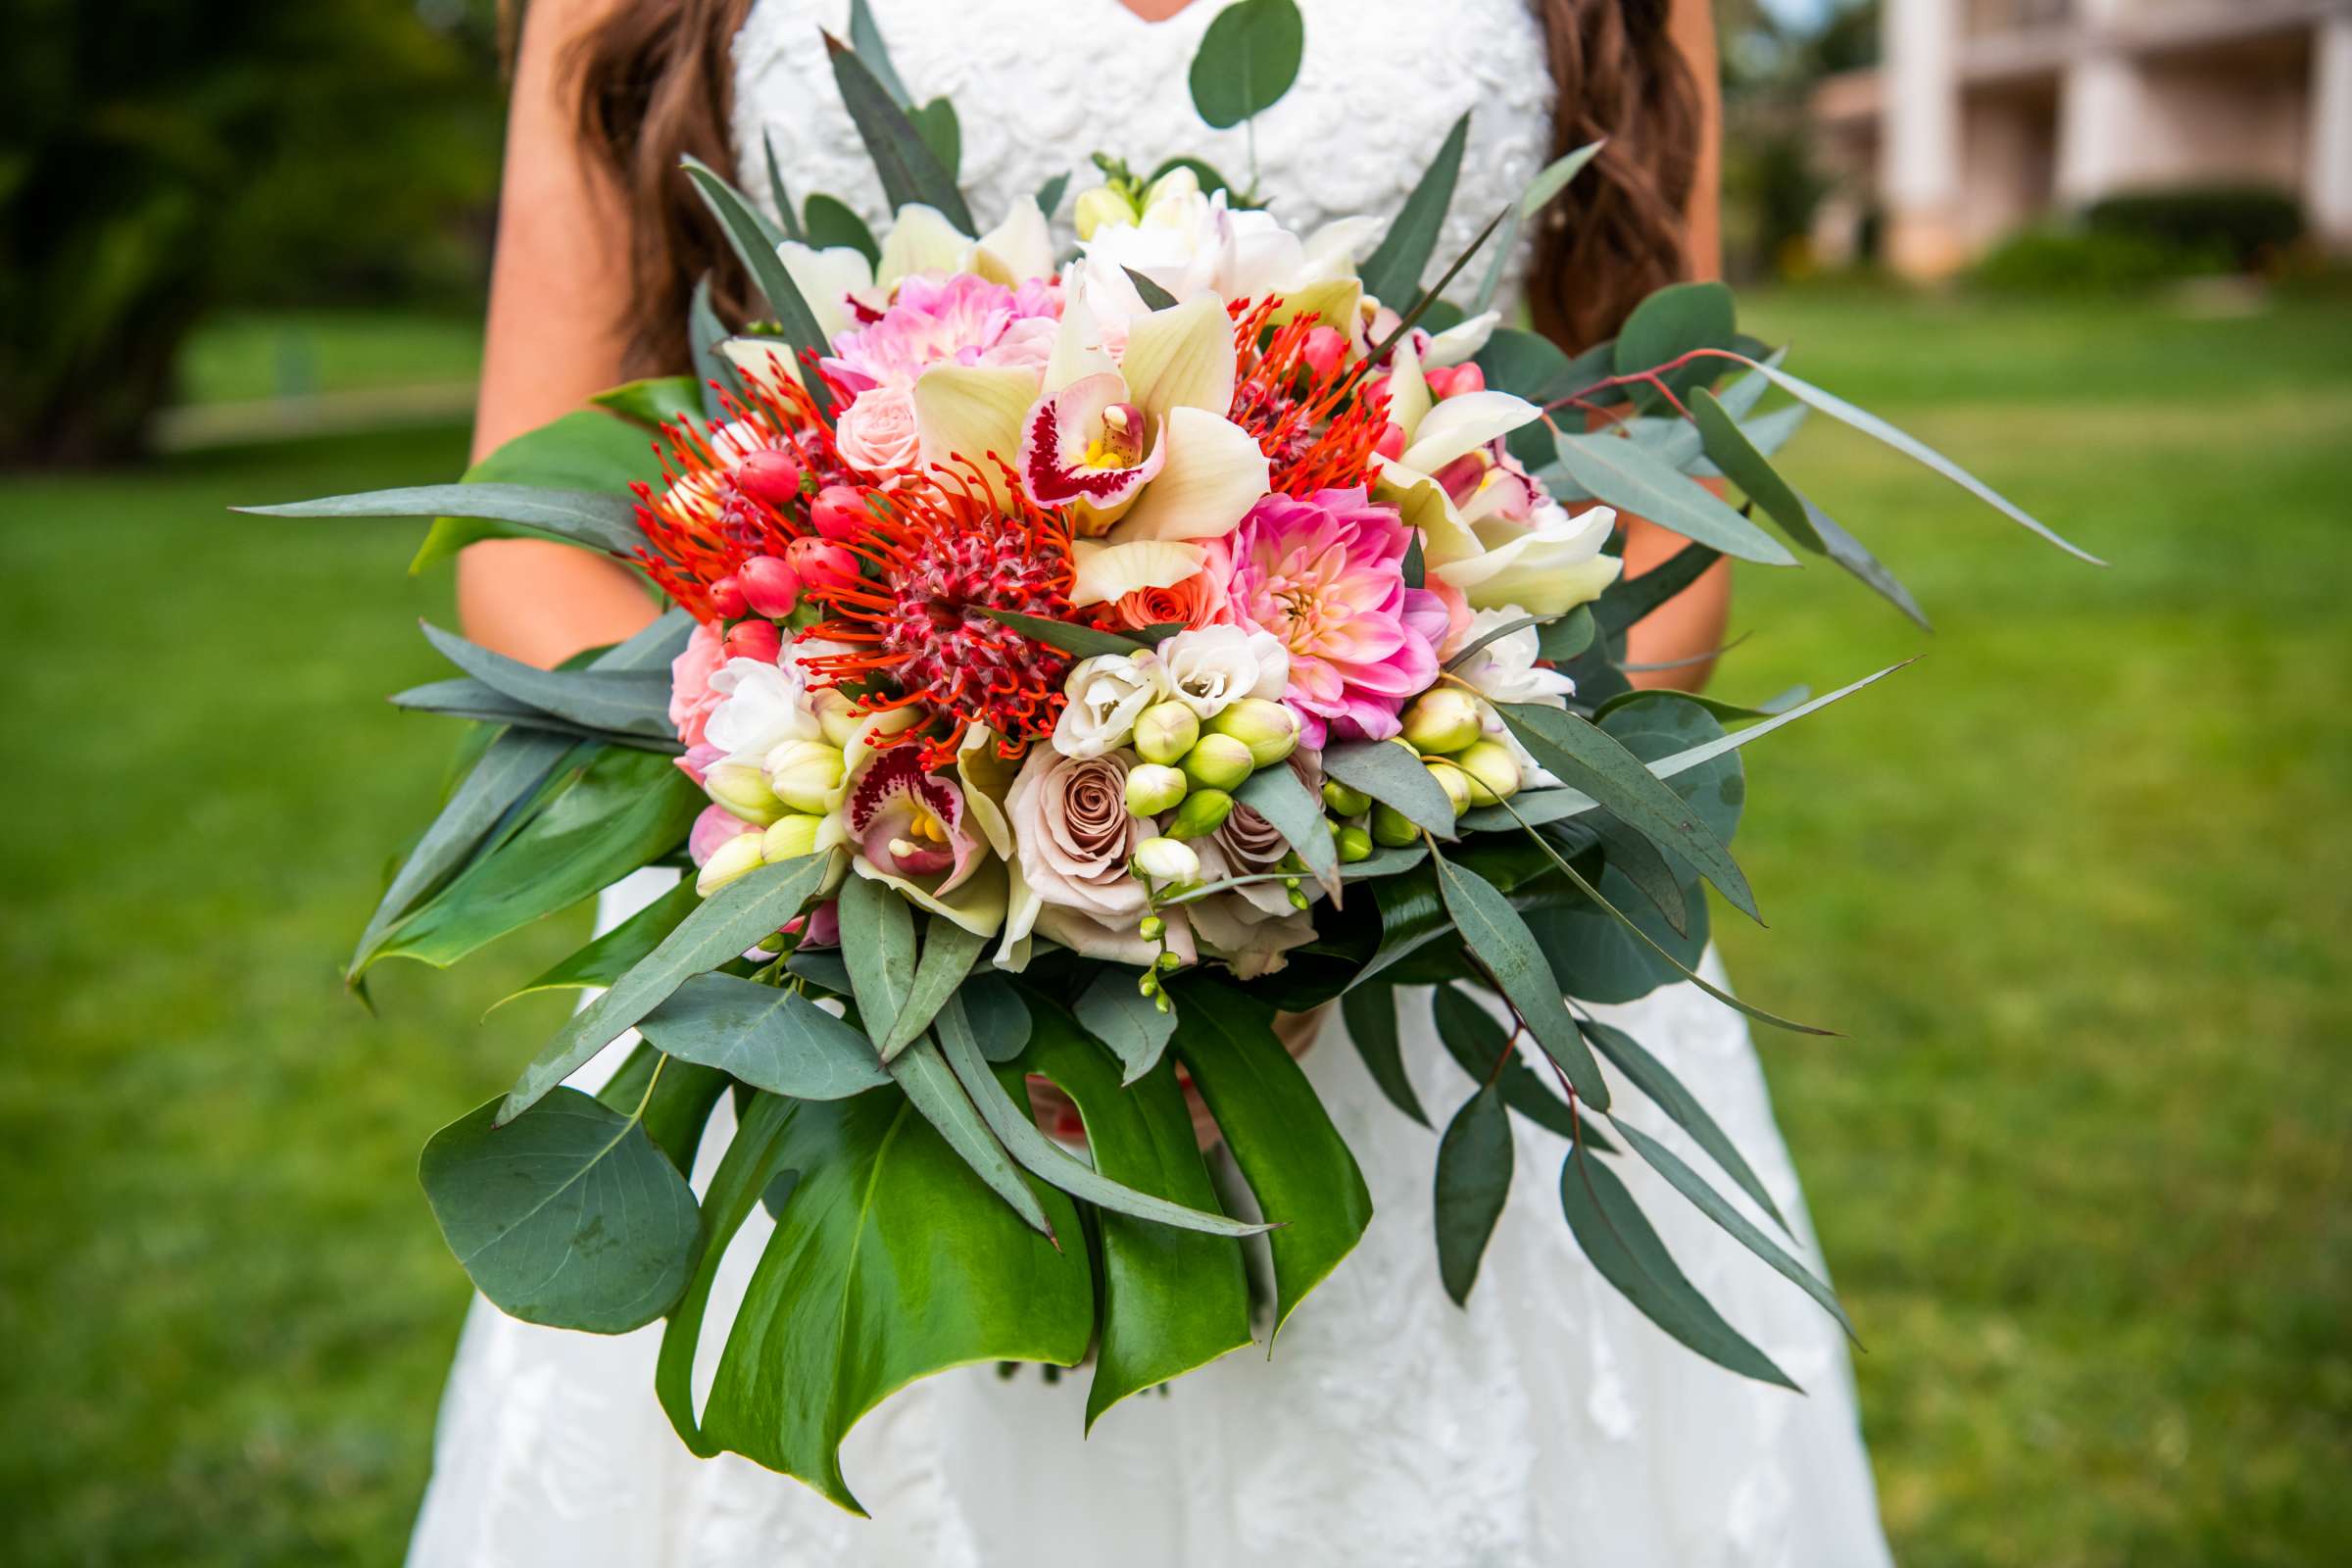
1325, 576
961, 319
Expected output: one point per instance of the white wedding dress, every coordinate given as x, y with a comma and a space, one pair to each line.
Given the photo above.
1549, 1423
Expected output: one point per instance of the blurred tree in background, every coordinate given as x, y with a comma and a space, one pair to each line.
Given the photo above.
1773, 54
165, 157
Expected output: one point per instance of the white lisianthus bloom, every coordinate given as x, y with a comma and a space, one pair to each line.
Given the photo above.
1105, 694
1211, 668
1505, 669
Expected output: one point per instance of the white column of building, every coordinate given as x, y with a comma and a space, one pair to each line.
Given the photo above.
1921, 157
2327, 162
2100, 109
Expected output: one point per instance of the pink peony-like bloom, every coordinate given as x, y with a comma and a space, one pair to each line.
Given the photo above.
1325, 576
690, 698
962, 319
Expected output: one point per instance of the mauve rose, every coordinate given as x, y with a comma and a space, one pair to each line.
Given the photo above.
1070, 823
1249, 843
1253, 938
877, 431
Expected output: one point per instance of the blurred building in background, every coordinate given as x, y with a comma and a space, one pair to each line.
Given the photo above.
1985, 115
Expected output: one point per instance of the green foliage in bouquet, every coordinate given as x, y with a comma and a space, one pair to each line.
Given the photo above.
923, 1221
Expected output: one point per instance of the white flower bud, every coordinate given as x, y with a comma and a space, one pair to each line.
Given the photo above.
1100, 206
790, 838
1493, 772
1455, 782
1220, 762
1166, 731
739, 857
1269, 729
1442, 722
1202, 813
805, 776
1154, 788
743, 790
1166, 860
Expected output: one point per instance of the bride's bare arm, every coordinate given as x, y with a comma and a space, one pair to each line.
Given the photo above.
557, 290
1691, 622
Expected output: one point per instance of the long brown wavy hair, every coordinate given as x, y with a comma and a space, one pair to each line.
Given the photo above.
654, 80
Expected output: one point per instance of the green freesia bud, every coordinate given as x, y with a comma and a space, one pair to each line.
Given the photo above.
1442, 722
1152, 928
1492, 771
1202, 813
743, 790
790, 838
1166, 731
1392, 827
806, 774
1355, 845
1166, 860
1345, 802
1218, 762
739, 857
1455, 782
1268, 728
1154, 788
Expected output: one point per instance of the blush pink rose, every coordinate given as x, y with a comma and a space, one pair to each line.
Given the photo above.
690, 698
877, 430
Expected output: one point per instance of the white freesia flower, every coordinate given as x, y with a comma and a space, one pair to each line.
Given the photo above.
1505, 669
760, 708
1211, 668
1105, 694
1166, 860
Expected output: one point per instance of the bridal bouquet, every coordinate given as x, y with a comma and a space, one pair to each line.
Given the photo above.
1072, 662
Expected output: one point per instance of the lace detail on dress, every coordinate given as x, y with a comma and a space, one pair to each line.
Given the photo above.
1043, 85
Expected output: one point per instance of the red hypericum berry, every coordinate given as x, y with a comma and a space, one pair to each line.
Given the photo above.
770, 586
1454, 380
726, 597
754, 638
821, 564
1390, 444
1325, 348
840, 513
769, 475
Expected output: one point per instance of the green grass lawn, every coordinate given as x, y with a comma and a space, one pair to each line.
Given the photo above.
2073, 885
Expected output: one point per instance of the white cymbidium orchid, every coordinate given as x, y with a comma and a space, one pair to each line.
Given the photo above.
939, 840
1136, 446
1488, 530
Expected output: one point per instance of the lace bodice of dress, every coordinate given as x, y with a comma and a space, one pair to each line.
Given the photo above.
1040, 85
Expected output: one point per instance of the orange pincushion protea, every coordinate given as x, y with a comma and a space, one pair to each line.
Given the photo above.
707, 523
940, 552
1317, 427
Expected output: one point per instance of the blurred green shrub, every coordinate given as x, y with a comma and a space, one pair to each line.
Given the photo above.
2071, 259
166, 156
2250, 224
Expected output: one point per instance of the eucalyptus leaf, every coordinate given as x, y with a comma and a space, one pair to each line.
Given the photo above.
728, 922
714, 372
1732, 452
1669, 324
936, 123
1082, 642
769, 1037
1624, 474
1370, 1013
464, 697
1049, 194
1394, 776
1491, 634
910, 172
612, 953
1282, 798
1014, 1124
1247, 60
931, 1084
1481, 1048
607, 523
631, 702
652, 400
1000, 1018
747, 233
1850, 553
832, 222
1393, 271
1562, 639
1494, 931
947, 955
1473, 1180
866, 38
568, 1216
1629, 600
1147, 290
1620, 1242
1384, 860
1114, 1011
786, 219
1666, 1092
877, 938
676, 1097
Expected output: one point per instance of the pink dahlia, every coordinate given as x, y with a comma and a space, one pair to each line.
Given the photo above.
960, 319
1325, 576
